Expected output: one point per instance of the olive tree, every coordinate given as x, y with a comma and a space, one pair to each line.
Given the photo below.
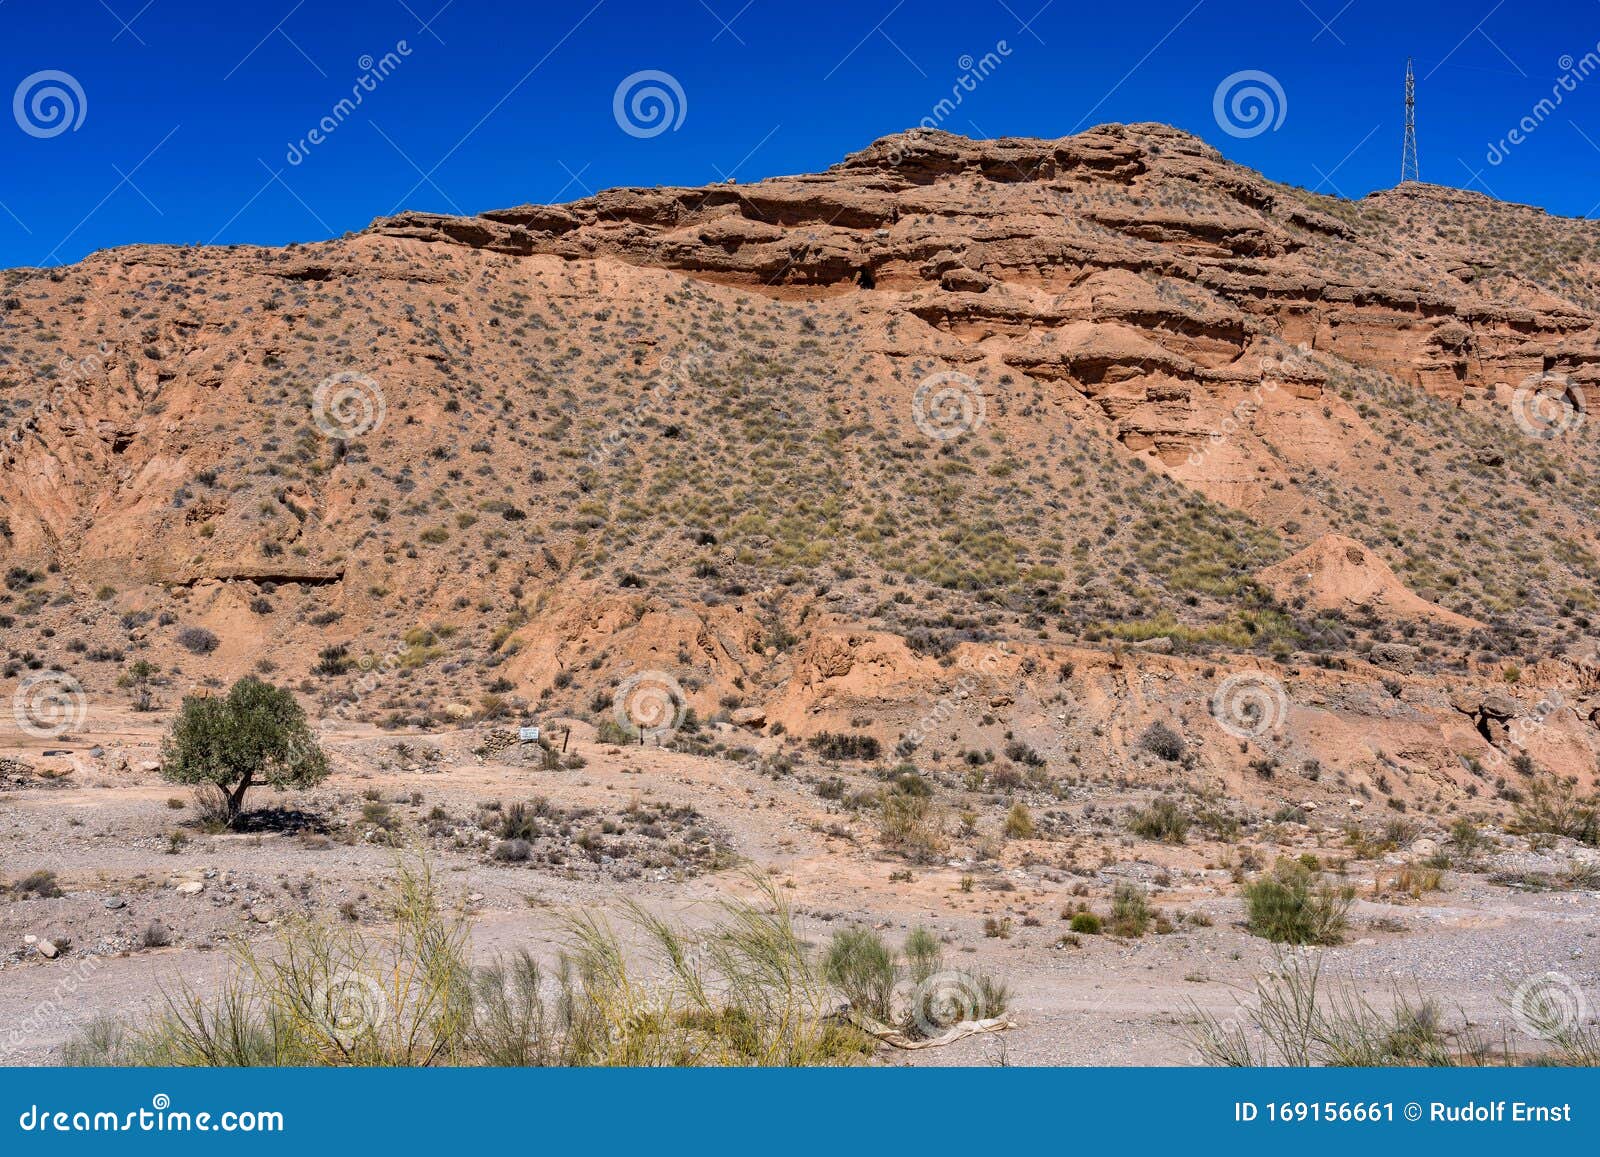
257, 733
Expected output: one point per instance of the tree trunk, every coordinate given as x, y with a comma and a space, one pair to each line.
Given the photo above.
236, 800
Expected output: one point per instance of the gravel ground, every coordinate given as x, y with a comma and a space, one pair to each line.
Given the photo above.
1104, 1001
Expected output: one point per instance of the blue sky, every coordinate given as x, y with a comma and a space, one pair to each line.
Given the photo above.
191, 122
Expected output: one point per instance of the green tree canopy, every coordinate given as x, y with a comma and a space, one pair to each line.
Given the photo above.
256, 734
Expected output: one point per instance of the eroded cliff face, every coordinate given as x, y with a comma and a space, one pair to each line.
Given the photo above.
1130, 264
1221, 426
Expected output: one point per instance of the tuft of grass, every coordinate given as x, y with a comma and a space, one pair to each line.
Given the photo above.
1019, 822
1162, 820
744, 992
1130, 911
1163, 742
1293, 905
1296, 1018
862, 967
1554, 806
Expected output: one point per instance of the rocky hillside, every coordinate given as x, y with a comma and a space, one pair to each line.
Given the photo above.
1108, 414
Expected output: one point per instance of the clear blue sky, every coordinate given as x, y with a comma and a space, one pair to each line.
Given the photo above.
189, 110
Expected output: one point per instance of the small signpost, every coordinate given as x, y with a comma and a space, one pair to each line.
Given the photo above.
528, 734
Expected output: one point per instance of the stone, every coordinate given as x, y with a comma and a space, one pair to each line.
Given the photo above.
1400, 657
753, 717
47, 949
116, 902
190, 888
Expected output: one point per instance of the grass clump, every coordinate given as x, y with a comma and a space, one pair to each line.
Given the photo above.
1163, 742
1553, 806
1130, 911
869, 974
912, 825
1162, 820
744, 992
1019, 823
1296, 1018
1293, 905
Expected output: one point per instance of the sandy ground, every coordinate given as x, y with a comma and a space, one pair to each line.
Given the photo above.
106, 834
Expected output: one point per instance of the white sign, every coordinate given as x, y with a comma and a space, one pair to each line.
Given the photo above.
528, 734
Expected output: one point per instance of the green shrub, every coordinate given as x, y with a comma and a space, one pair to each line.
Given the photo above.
1554, 806
858, 747
1292, 905
1130, 911
1019, 822
912, 825
924, 956
861, 966
1162, 820
1086, 922
1163, 742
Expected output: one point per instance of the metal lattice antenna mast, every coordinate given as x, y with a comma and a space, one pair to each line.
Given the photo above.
1408, 152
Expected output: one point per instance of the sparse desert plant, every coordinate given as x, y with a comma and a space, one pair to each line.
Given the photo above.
923, 954
39, 884
1130, 910
863, 968
1291, 904
1554, 806
744, 992
197, 640
1161, 820
846, 747
512, 851
1019, 822
1163, 742
1296, 1017
912, 825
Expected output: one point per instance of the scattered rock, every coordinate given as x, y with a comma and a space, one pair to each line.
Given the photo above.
753, 717
1401, 657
